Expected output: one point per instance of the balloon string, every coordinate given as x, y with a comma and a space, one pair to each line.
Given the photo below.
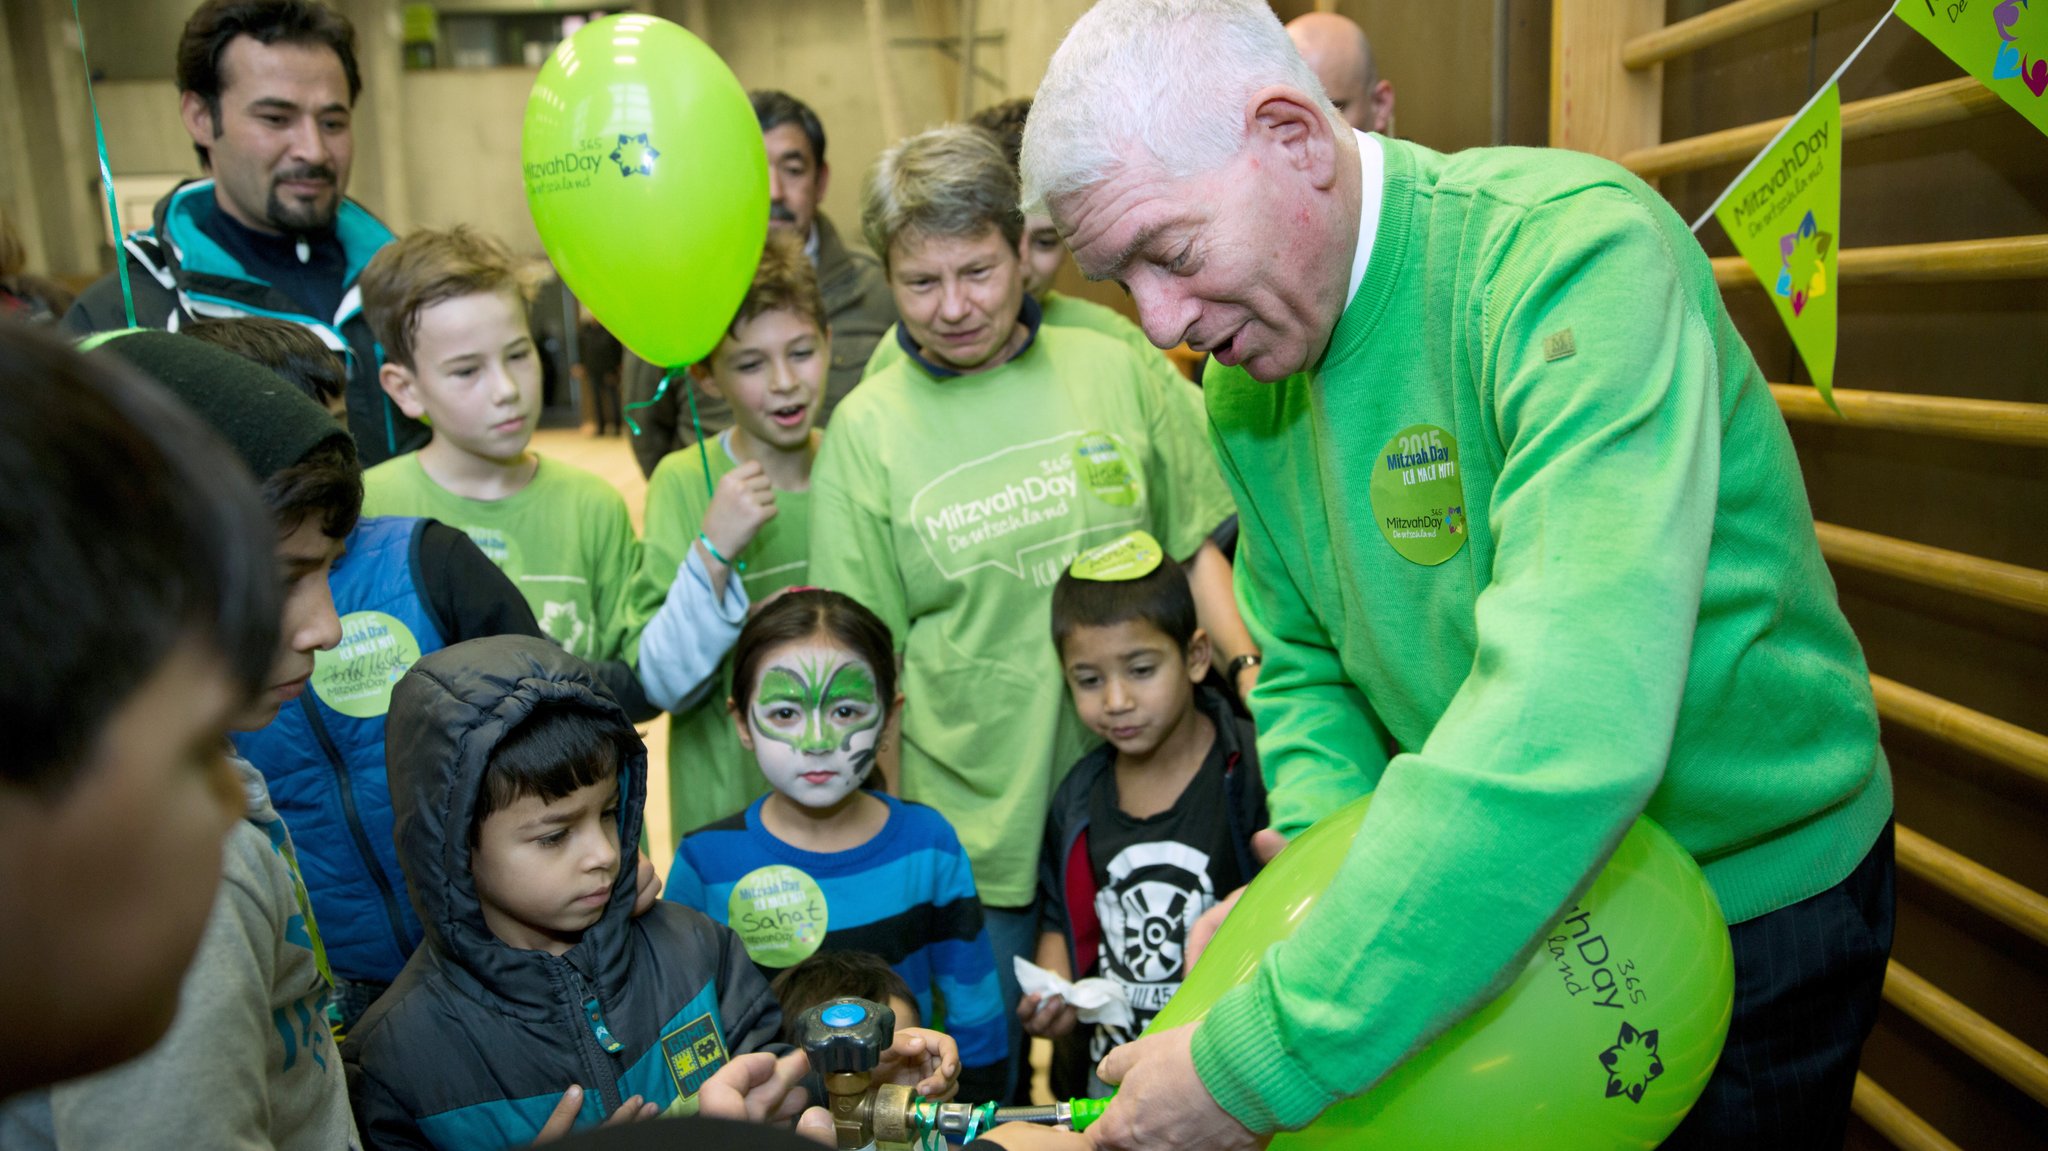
696, 427
636, 405
703, 449
99, 133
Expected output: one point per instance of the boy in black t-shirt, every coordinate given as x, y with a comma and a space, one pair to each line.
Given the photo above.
1154, 827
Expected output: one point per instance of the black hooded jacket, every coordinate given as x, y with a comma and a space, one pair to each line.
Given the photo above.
474, 1044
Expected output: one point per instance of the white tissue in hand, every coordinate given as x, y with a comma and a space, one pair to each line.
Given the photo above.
1096, 1000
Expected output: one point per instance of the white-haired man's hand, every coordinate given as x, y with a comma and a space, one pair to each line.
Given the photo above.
1160, 1101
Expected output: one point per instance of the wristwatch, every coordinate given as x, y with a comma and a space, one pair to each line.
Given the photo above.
1237, 666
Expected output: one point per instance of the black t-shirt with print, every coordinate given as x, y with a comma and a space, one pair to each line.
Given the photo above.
1154, 877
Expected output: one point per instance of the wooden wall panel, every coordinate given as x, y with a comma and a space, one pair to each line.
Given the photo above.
1983, 177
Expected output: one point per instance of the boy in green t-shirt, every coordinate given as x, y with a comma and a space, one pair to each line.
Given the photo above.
728, 524
449, 313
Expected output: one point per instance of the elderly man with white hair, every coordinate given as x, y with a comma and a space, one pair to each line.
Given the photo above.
1526, 549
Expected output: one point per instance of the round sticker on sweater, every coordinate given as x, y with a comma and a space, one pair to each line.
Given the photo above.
779, 913
1418, 497
1104, 474
356, 677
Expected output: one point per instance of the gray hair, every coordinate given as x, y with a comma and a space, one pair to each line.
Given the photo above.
1165, 80
952, 180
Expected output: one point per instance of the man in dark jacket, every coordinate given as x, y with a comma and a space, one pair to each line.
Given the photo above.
858, 306
266, 92
521, 1006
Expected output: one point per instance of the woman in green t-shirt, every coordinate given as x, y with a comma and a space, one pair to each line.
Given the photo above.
959, 482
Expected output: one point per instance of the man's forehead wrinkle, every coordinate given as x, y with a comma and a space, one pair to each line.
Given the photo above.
1112, 206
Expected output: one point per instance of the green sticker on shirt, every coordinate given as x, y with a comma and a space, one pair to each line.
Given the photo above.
356, 677
1104, 473
779, 913
1418, 498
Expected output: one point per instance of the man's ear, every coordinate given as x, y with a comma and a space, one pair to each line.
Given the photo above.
1382, 98
1198, 656
824, 183
701, 373
1286, 122
403, 387
197, 118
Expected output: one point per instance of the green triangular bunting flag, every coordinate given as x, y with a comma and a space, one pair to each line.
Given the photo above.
1784, 216
2005, 46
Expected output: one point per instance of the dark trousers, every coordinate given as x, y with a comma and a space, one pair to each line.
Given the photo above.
1807, 979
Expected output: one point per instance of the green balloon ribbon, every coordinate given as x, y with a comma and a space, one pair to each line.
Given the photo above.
99, 132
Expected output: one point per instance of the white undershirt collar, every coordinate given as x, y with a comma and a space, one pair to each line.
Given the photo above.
1372, 164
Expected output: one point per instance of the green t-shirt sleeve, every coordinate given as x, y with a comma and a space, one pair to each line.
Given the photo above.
1188, 493
1602, 516
853, 546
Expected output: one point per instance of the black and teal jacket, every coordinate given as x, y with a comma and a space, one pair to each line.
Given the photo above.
179, 274
474, 1044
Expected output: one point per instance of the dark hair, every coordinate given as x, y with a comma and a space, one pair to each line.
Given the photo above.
774, 108
327, 482
1160, 597
216, 24
807, 612
559, 747
830, 975
122, 534
1005, 121
285, 348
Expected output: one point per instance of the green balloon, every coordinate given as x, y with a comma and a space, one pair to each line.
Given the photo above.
1604, 1040
648, 183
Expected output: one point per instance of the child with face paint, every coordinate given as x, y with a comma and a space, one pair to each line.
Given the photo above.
826, 861
728, 525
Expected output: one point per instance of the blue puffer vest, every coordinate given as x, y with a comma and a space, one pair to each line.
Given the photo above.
323, 756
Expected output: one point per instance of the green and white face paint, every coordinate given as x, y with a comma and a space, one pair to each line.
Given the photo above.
816, 718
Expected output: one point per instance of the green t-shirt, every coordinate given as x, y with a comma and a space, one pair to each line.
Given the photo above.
1527, 553
565, 538
950, 507
710, 776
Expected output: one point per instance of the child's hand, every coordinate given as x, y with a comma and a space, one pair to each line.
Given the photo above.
1047, 1016
760, 1088
564, 1116
922, 1059
742, 502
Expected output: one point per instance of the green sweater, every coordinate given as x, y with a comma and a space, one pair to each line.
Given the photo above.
950, 507
1528, 554
565, 538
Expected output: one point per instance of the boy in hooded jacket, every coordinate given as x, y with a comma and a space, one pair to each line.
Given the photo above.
538, 1003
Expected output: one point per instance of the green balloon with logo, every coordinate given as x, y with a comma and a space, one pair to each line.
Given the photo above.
1604, 1039
648, 183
